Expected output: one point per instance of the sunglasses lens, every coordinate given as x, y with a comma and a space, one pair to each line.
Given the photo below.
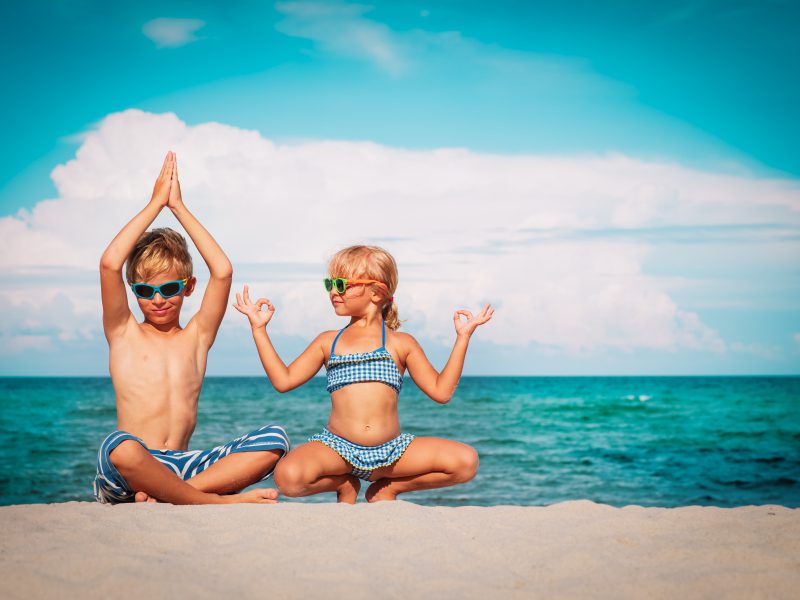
143, 290
328, 284
170, 289
341, 285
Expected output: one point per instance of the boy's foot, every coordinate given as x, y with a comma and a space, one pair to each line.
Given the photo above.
379, 490
347, 493
142, 497
258, 496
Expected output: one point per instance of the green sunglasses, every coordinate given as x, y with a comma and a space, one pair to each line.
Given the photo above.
167, 290
340, 284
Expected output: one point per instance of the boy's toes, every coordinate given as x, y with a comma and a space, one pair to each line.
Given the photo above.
142, 497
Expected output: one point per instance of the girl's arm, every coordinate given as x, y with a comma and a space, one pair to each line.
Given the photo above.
116, 312
441, 386
282, 378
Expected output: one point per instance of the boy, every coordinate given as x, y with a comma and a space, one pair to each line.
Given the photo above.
157, 368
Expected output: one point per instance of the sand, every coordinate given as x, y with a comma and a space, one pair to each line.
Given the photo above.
398, 550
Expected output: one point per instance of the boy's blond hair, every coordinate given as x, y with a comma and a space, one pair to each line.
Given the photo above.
370, 262
156, 251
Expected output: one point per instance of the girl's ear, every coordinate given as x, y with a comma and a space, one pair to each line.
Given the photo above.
189, 287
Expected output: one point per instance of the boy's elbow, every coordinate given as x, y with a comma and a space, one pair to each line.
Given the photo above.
107, 263
225, 271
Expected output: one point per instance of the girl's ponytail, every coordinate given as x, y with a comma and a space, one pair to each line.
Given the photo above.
391, 316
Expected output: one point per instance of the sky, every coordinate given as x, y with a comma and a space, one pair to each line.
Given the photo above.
618, 178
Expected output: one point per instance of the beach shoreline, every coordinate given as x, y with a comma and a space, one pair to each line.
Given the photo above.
575, 549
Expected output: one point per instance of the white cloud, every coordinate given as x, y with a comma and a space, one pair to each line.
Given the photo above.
171, 33
466, 228
341, 29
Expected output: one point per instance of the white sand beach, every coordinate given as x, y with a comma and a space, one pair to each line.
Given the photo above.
398, 550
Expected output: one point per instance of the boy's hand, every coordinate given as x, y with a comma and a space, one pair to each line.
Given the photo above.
175, 199
161, 190
258, 318
466, 328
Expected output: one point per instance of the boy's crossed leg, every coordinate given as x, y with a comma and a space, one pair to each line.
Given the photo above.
126, 465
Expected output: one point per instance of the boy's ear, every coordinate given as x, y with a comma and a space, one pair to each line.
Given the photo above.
189, 287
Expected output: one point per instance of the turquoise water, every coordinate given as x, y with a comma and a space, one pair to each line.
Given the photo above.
650, 441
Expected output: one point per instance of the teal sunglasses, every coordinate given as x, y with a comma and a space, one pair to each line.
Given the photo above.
167, 290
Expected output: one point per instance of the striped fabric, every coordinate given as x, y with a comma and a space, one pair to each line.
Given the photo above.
376, 365
365, 459
111, 488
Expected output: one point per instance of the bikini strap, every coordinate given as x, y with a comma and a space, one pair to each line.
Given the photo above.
336, 339
383, 334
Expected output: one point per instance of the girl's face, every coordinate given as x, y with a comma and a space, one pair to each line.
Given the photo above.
355, 301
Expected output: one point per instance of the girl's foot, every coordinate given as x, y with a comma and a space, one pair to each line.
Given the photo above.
379, 490
347, 493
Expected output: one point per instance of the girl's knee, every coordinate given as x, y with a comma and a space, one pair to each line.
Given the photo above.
465, 463
290, 477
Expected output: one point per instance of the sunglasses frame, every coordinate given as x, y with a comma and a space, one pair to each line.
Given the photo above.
157, 289
345, 281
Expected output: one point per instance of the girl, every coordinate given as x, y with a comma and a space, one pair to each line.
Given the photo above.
365, 365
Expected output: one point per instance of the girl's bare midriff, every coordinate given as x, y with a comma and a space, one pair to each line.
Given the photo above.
365, 413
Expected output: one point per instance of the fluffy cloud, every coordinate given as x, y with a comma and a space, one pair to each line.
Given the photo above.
171, 33
558, 244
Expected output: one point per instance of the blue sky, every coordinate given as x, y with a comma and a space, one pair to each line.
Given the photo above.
706, 85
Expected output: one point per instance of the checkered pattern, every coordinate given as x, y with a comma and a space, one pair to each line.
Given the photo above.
111, 488
365, 459
376, 365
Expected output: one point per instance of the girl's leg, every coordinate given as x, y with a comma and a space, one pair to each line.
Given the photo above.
314, 468
427, 463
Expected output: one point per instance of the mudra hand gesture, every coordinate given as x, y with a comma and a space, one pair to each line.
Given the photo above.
465, 328
257, 317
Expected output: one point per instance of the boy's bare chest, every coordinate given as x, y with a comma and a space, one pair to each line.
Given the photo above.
142, 357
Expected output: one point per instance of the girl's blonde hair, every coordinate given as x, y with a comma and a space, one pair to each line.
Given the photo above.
370, 262
157, 251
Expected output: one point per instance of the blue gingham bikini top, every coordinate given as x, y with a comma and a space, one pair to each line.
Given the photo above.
375, 365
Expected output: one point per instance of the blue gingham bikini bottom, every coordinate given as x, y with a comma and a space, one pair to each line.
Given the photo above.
365, 459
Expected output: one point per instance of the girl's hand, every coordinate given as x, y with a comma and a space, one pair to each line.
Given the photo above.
175, 199
466, 328
258, 318
161, 190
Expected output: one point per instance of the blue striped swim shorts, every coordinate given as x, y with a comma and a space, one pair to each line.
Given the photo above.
365, 459
111, 488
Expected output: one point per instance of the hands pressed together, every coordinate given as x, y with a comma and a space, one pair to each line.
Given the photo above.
167, 190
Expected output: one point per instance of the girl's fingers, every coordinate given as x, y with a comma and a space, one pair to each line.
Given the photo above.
246, 293
263, 302
238, 298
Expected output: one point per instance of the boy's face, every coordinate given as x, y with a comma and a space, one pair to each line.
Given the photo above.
160, 310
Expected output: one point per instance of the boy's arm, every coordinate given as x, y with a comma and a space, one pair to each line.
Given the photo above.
441, 386
215, 299
116, 312
282, 378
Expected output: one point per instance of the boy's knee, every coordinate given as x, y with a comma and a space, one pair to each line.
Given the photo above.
128, 454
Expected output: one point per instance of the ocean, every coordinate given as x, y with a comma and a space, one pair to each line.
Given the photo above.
650, 441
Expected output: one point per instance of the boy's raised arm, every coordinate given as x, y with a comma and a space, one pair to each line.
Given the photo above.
116, 312
215, 299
